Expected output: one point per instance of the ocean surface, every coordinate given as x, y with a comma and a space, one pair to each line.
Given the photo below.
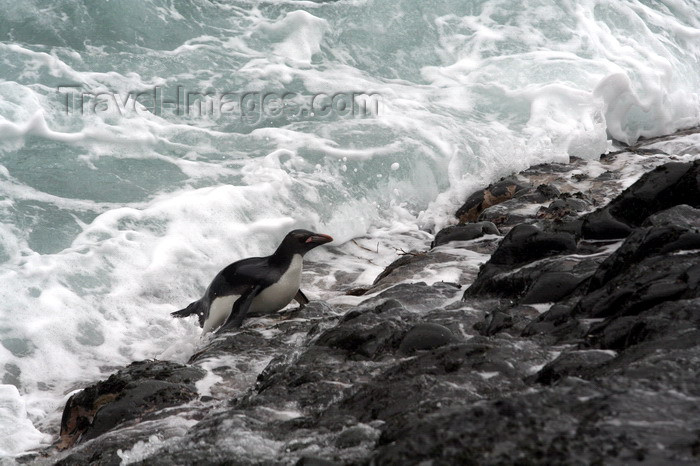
145, 144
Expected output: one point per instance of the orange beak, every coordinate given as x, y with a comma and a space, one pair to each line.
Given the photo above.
319, 238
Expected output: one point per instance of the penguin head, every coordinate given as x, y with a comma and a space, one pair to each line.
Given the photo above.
302, 241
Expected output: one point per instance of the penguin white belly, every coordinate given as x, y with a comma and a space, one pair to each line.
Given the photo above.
278, 295
219, 310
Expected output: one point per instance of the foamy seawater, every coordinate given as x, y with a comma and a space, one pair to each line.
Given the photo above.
146, 144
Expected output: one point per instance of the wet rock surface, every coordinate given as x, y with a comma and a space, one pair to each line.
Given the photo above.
666, 186
426, 336
572, 339
464, 232
129, 395
492, 195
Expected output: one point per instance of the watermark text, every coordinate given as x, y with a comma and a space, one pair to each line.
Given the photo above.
250, 107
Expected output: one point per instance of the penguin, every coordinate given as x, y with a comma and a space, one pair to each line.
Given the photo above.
255, 286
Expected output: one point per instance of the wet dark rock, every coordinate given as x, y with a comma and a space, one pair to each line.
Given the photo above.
654, 267
643, 285
507, 214
607, 175
523, 244
526, 243
425, 336
666, 186
418, 296
683, 216
574, 422
511, 320
565, 225
483, 199
312, 379
637, 287
339, 357
224, 436
645, 243
541, 193
668, 361
131, 394
571, 204
356, 435
495, 322
104, 454
313, 461
245, 340
546, 280
382, 306
552, 286
465, 232
449, 376
402, 261
408, 265
369, 334
557, 325
459, 316
602, 225
573, 363
564, 208
665, 320
314, 310
553, 168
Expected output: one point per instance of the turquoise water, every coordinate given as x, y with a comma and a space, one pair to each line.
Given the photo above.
116, 210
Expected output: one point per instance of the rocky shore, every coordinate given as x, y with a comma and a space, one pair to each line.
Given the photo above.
572, 337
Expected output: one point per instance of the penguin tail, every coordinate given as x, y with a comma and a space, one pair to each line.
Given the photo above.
193, 308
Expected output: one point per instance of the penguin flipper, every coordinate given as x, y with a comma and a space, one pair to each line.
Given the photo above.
240, 309
301, 298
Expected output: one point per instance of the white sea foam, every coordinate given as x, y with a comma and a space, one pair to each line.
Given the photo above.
16, 430
297, 36
110, 220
